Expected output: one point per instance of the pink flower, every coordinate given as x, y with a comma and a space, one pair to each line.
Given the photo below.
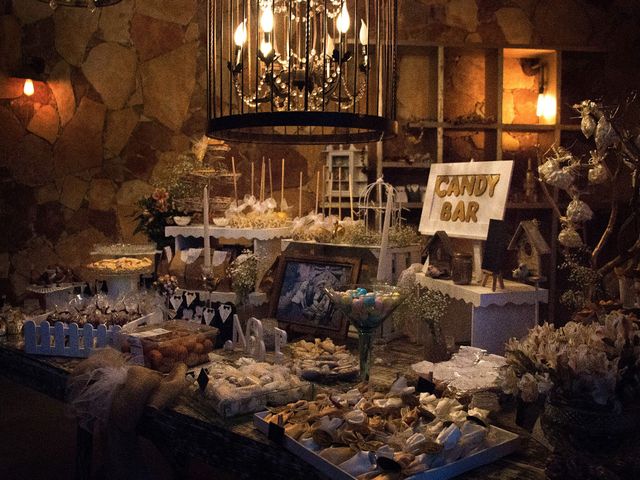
160, 195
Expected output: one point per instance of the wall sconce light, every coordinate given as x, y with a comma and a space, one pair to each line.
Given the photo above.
31, 69
546, 106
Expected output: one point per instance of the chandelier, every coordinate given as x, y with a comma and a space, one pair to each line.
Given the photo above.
301, 71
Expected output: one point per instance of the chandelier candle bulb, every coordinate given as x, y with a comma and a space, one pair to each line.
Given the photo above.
266, 20
363, 36
343, 21
240, 38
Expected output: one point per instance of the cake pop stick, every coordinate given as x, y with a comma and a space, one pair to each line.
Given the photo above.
300, 198
351, 193
235, 180
253, 173
262, 180
270, 180
282, 187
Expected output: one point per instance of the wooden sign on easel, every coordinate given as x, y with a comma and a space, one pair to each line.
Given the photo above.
462, 198
495, 253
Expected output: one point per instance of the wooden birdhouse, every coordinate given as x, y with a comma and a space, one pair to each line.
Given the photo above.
439, 252
530, 246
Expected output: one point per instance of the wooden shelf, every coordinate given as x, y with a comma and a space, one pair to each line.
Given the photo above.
413, 205
469, 126
494, 74
532, 127
528, 206
423, 124
400, 164
571, 128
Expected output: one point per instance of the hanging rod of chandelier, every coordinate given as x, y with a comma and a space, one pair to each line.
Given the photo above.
301, 71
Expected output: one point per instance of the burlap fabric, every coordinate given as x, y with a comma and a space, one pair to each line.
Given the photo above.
109, 397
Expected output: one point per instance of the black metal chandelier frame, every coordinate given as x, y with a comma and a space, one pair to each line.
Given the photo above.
81, 3
329, 82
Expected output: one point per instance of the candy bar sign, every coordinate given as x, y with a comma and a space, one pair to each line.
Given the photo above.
461, 198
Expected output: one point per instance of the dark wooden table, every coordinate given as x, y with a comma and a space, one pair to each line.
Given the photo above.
234, 445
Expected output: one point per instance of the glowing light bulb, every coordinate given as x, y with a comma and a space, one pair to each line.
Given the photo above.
343, 21
265, 48
540, 105
364, 33
266, 21
546, 107
28, 88
240, 36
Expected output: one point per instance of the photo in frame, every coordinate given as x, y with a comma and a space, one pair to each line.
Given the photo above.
298, 299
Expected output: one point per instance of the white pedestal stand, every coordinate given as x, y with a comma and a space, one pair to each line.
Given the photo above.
495, 316
266, 241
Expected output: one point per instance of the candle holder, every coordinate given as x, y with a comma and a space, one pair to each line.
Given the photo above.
210, 280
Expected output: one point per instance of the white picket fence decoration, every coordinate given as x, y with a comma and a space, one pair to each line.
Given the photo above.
69, 340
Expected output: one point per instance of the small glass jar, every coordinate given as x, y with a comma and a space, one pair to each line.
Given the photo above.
462, 268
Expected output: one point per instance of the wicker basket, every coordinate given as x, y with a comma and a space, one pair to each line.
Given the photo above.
590, 429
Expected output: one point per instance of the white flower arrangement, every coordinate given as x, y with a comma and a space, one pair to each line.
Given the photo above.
243, 272
586, 366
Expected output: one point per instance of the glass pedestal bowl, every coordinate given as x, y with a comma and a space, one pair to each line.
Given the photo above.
366, 307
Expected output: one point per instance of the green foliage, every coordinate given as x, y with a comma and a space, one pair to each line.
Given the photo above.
583, 280
156, 212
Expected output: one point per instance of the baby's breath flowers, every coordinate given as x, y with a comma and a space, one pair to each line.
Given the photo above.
243, 272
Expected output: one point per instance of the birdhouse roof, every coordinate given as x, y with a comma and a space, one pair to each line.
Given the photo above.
441, 236
532, 232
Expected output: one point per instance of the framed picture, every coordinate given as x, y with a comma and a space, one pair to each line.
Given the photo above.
299, 301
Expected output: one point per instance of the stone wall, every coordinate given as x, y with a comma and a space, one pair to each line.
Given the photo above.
125, 93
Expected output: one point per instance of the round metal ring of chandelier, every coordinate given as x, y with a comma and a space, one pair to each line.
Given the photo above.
301, 71
92, 5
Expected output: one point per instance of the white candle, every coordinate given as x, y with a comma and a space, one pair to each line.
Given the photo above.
253, 174
270, 180
384, 263
205, 221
